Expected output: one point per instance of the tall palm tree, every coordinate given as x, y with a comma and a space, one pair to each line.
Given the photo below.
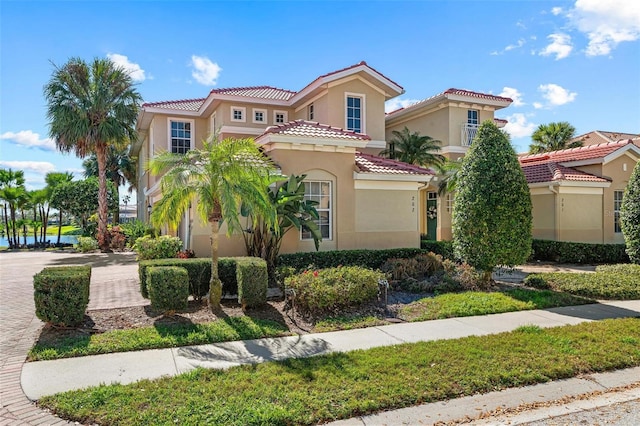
12, 192
414, 148
121, 168
91, 107
553, 137
220, 176
54, 179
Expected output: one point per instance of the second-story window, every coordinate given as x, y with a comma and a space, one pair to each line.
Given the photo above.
181, 135
472, 117
238, 113
259, 115
470, 130
310, 112
354, 113
279, 117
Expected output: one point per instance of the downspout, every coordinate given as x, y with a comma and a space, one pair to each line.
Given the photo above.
556, 216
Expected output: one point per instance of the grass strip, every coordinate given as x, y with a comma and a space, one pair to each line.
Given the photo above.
615, 282
159, 336
344, 385
471, 303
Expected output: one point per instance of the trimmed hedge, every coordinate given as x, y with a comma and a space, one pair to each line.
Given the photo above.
163, 247
61, 294
168, 287
253, 280
372, 259
329, 290
568, 252
199, 270
443, 248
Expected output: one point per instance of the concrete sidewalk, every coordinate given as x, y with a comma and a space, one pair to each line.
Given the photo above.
49, 377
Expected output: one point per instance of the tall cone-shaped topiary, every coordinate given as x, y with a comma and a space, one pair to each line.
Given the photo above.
630, 215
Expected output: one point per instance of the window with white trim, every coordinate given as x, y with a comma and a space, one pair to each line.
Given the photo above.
212, 124
450, 201
310, 112
355, 106
238, 113
259, 115
320, 192
180, 136
279, 117
617, 203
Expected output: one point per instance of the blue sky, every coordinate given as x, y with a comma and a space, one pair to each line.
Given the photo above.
575, 61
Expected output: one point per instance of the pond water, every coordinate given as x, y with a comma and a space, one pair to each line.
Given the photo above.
68, 239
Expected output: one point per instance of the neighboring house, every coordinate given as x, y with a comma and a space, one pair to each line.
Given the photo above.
331, 130
597, 137
577, 193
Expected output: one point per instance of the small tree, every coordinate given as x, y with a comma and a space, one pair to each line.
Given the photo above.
553, 137
492, 210
630, 215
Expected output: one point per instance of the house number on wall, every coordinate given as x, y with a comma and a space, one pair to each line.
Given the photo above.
413, 204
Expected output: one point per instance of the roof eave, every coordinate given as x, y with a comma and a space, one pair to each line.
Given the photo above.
399, 177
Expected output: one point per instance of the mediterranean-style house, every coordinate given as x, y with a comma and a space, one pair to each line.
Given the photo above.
577, 193
332, 130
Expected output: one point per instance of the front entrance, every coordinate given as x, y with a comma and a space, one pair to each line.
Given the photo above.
432, 215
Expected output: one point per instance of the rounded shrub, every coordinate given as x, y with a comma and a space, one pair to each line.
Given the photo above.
61, 294
329, 290
536, 281
87, 244
163, 247
168, 287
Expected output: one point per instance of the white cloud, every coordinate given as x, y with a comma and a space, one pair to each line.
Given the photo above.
40, 167
556, 11
560, 46
29, 139
521, 42
519, 126
537, 105
606, 23
510, 92
205, 72
556, 95
394, 104
134, 70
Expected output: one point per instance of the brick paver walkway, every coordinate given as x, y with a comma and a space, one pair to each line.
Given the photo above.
114, 283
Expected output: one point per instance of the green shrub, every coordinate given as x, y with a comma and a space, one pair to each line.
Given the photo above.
168, 287
134, 230
163, 247
87, 244
630, 215
413, 267
372, 259
535, 281
569, 252
199, 270
253, 280
443, 248
626, 268
329, 290
61, 294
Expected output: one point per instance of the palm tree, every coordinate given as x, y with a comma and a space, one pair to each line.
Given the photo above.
12, 192
414, 148
54, 179
449, 172
121, 168
220, 176
91, 107
553, 137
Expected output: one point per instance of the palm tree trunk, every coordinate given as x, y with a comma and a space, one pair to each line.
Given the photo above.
35, 230
103, 234
12, 208
116, 212
6, 224
215, 285
59, 226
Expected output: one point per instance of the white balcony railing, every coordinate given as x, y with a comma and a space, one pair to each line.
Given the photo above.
468, 133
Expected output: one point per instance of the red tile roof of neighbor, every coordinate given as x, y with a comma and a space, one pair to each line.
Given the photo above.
367, 163
313, 129
262, 92
588, 152
183, 104
550, 171
453, 91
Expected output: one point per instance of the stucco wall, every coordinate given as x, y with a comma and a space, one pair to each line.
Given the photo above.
544, 214
374, 107
580, 218
615, 170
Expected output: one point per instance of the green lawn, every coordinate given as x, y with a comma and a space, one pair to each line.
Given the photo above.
344, 385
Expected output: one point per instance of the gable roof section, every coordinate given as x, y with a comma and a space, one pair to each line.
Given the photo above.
588, 153
367, 163
597, 137
553, 172
313, 129
259, 92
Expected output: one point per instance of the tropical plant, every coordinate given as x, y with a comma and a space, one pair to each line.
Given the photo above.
553, 137
91, 107
121, 168
221, 175
53, 179
13, 193
414, 148
448, 179
492, 210
630, 215
292, 211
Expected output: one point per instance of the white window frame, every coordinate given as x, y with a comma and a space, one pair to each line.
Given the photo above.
212, 124
617, 204
243, 112
363, 112
285, 117
310, 112
471, 121
264, 116
320, 210
180, 120
451, 198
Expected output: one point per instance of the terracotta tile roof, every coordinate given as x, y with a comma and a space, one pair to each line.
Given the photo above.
367, 163
312, 129
500, 120
262, 92
588, 152
452, 91
184, 104
600, 136
551, 171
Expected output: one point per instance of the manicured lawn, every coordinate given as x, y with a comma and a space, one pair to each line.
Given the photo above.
160, 336
618, 282
471, 303
325, 388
